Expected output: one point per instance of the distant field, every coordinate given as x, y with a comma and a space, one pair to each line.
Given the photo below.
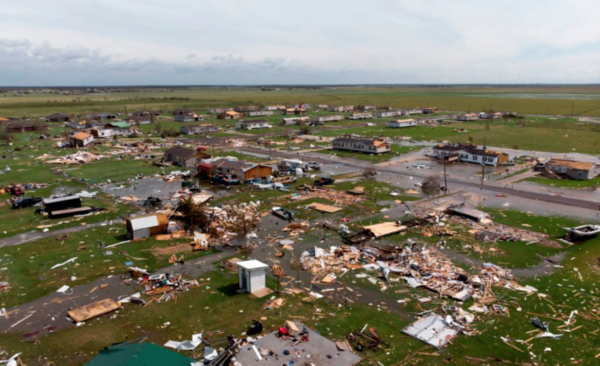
581, 100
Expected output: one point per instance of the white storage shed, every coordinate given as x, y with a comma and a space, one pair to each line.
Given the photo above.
252, 275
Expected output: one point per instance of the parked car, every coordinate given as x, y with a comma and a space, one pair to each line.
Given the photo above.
323, 182
26, 202
539, 167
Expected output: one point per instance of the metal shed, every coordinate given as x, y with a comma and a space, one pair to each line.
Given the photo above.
143, 226
252, 275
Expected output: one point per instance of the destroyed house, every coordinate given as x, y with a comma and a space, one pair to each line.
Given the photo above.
469, 154
114, 129
294, 121
363, 115
63, 206
401, 123
467, 117
103, 115
219, 110
580, 170
143, 226
26, 126
81, 139
199, 129
370, 146
149, 114
252, 124
58, 117
229, 115
246, 108
180, 111
139, 354
241, 170
182, 156
188, 117
84, 124
139, 120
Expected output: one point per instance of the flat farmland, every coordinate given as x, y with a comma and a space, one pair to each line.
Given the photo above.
550, 100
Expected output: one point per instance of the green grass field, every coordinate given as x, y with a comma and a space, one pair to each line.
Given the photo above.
533, 100
566, 183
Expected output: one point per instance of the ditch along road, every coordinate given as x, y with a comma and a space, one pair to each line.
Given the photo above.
561, 200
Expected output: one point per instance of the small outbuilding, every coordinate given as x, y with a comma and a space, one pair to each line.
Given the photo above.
252, 275
139, 227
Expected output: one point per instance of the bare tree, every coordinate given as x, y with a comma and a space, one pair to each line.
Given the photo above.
431, 185
194, 214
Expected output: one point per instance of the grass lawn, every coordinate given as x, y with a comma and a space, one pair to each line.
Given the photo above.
29, 264
566, 183
116, 170
374, 158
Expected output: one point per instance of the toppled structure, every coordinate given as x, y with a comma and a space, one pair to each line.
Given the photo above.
80, 157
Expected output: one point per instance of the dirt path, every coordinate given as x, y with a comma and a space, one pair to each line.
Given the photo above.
51, 309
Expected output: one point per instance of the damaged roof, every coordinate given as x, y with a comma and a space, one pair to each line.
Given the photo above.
181, 152
571, 164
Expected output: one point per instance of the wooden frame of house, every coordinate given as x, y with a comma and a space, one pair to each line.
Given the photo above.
368, 146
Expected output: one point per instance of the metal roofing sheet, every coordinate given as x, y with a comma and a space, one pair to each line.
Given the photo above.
144, 222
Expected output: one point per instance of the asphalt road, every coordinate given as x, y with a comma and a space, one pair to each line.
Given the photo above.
451, 181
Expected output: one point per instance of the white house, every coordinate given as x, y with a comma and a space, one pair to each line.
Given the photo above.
401, 123
365, 115
333, 118
188, 117
252, 275
470, 154
252, 124
486, 115
259, 113
370, 146
386, 114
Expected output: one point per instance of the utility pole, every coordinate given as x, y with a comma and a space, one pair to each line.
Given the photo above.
483, 162
572, 109
445, 177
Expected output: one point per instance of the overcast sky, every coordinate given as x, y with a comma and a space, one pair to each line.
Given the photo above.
200, 42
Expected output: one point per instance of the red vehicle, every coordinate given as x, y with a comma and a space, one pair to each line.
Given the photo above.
201, 148
16, 191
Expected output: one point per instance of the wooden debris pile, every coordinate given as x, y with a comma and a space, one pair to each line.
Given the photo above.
340, 198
